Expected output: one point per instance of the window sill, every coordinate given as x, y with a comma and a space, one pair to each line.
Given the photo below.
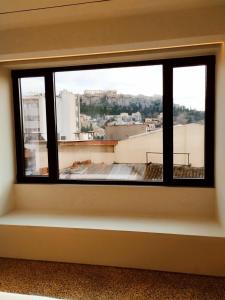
189, 227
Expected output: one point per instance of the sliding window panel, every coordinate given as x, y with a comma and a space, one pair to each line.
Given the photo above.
189, 98
109, 123
33, 109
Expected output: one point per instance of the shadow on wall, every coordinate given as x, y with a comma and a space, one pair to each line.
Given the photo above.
7, 200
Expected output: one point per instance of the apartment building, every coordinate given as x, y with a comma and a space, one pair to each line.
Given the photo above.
35, 118
67, 105
68, 108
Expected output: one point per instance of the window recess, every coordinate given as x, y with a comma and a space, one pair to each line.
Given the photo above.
133, 123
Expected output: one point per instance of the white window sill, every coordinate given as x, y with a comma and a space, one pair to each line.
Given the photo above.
191, 227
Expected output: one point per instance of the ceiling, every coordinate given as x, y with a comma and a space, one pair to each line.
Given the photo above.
88, 11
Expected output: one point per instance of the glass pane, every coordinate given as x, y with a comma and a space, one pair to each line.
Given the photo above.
189, 85
109, 123
34, 126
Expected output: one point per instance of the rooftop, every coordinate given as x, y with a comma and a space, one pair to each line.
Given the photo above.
138, 171
89, 143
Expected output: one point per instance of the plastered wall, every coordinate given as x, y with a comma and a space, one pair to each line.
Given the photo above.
220, 135
7, 161
158, 29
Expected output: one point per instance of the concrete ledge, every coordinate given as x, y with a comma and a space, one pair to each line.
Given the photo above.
188, 226
176, 246
166, 252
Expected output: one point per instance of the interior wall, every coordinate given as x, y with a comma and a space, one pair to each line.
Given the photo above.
130, 201
165, 252
220, 134
7, 158
108, 34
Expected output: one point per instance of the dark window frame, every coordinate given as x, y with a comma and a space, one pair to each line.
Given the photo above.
167, 65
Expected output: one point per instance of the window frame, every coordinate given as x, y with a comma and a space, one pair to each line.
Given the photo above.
167, 98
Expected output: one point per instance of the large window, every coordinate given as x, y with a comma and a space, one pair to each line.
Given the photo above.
109, 123
148, 122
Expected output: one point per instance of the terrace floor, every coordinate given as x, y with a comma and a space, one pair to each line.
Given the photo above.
116, 171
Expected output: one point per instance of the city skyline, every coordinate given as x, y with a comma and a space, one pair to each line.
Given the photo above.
145, 80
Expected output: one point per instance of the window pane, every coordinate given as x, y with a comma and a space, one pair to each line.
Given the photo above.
109, 123
34, 126
189, 121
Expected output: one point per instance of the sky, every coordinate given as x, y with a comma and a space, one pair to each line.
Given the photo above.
189, 86
189, 82
146, 80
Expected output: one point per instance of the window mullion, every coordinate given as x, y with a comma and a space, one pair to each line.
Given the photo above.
209, 122
167, 123
51, 127
18, 129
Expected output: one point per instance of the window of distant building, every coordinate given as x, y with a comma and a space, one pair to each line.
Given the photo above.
148, 122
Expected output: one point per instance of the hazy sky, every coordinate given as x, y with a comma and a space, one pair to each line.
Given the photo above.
133, 80
189, 82
189, 86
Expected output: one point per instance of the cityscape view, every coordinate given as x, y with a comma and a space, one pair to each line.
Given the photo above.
109, 133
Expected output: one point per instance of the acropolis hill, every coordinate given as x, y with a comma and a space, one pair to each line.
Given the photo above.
112, 97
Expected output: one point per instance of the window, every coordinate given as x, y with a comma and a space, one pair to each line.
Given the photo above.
109, 123
34, 126
147, 123
189, 121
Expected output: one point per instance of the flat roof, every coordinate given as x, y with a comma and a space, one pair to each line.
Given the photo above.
89, 143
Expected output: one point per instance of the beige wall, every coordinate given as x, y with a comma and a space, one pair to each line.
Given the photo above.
130, 201
119, 33
97, 154
187, 139
121, 132
133, 150
191, 254
7, 159
220, 135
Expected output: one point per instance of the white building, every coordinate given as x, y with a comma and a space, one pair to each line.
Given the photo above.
34, 118
68, 115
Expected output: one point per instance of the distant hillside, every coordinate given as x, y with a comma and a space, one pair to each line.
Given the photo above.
184, 115
117, 99
114, 105
149, 107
